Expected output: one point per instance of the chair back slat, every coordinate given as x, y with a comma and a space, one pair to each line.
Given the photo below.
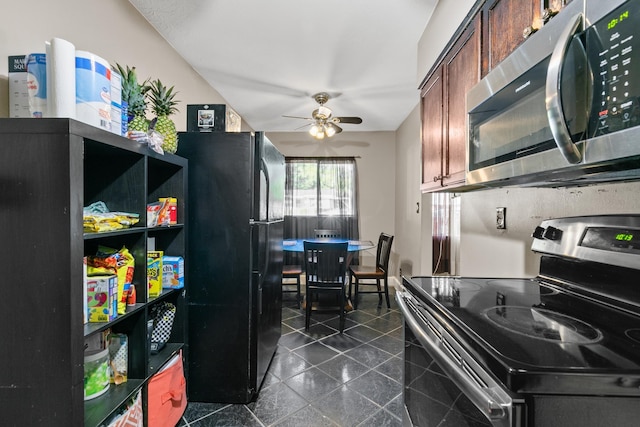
327, 234
326, 263
384, 251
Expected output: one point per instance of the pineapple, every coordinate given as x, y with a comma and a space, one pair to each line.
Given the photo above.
163, 106
135, 95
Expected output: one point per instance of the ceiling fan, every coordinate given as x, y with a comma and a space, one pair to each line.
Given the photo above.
323, 123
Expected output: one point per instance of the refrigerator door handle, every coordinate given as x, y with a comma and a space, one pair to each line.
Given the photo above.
267, 257
257, 278
267, 189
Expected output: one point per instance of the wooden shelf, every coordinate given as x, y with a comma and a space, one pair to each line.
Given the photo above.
52, 168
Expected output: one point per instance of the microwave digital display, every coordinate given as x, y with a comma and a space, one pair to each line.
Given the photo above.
614, 21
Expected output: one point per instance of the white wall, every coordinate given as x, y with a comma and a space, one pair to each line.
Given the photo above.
113, 30
443, 23
486, 251
410, 232
375, 154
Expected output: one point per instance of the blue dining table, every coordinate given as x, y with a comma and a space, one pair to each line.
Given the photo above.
297, 245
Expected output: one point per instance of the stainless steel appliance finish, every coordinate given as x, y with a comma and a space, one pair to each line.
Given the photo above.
563, 108
558, 349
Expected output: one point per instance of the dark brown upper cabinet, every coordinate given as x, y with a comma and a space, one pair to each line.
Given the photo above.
444, 112
504, 23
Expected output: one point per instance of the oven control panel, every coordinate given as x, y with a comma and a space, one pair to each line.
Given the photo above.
609, 239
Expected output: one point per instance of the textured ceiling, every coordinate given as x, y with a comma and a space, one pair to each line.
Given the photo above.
267, 58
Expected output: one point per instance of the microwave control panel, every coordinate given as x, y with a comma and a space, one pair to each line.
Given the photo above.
614, 44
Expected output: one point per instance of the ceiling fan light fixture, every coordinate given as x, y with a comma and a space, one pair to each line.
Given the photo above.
323, 112
330, 129
323, 124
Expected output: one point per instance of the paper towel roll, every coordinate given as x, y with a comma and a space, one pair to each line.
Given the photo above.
61, 78
93, 90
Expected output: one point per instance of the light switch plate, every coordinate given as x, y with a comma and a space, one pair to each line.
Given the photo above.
501, 218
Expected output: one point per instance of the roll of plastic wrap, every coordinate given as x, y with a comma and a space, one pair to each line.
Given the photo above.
37, 84
61, 78
93, 90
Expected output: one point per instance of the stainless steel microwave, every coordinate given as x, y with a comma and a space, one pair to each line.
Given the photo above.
563, 108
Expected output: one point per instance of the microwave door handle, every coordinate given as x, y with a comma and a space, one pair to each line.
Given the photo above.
555, 114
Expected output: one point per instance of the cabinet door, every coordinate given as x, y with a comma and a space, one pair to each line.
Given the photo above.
504, 22
432, 131
462, 72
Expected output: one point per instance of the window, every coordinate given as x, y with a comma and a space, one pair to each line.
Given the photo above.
321, 193
321, 187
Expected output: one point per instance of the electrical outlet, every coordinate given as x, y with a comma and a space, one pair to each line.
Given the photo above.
501, 218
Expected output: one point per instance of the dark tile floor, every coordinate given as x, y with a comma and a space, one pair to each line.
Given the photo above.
321, 378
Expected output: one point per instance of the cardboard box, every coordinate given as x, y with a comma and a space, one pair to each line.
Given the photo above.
102, 298
172, 272
154, 273
18, 91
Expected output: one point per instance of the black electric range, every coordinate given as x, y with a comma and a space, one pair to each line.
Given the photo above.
530, 351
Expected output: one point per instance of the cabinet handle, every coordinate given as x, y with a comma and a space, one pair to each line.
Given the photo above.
528, 31
548, 13
437, 178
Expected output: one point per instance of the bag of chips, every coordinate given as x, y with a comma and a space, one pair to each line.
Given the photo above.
113, 261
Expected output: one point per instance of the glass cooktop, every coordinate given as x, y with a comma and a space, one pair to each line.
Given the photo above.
528, 325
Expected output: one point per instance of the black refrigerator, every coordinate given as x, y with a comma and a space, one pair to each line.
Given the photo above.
234, 248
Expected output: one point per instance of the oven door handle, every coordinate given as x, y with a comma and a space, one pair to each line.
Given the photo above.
483, 400
555, 113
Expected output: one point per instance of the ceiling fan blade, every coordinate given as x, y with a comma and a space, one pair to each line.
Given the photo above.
338, 128
350, 120
298, 117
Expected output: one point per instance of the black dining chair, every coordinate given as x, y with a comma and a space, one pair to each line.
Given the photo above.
325, 269
361, 275
292, 272
327, 234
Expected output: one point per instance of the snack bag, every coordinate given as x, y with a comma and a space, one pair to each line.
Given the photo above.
154, 273
119, 262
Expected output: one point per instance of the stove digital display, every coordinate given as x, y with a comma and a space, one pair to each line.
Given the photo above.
611, 239
624, 237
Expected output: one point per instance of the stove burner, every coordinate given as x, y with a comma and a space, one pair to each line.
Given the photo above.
528, 286
633, 334
543, 324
